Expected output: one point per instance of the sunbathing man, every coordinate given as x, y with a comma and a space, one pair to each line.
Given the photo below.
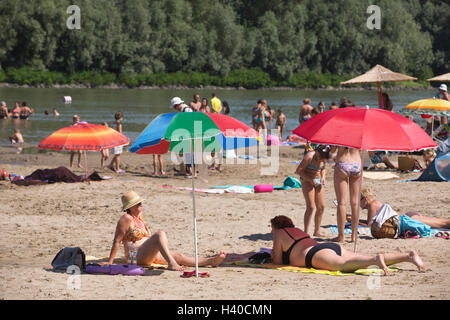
132, 230
378, 213
292, 246
377, 157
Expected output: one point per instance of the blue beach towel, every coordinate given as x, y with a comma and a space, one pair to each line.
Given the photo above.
348, 229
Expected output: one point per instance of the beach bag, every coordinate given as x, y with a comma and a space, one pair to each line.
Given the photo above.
69, 256
389, 229
260, 258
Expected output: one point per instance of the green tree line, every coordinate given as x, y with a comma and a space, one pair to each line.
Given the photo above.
248, 43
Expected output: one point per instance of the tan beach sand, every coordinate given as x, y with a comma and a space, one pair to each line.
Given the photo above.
38, 221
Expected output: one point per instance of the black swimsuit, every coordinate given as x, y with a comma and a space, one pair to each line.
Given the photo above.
285, 255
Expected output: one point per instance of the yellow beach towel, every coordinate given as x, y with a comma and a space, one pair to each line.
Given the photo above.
369, 271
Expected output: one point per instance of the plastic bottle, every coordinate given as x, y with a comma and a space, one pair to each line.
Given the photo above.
132, 250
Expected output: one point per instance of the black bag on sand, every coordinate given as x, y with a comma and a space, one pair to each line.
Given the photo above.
69, 256
260, 258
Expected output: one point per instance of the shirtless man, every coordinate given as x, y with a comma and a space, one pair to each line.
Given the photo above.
305, 111
25, 111
196, 103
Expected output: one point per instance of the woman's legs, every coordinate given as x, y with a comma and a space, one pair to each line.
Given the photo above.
158, 243
161, 165
308, 193
190, 261
340, 188
349, 261
320, 208
432, 221
149, 250
354, 186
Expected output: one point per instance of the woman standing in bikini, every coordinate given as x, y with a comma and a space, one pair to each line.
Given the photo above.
132, 231
312, 173
347, 173
292, 246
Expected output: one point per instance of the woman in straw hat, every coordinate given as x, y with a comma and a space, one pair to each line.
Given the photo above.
292, 246
151, 248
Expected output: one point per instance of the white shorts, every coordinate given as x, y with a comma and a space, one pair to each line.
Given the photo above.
118, 150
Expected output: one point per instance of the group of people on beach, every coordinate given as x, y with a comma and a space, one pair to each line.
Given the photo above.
291, 246
263, 116
117, 151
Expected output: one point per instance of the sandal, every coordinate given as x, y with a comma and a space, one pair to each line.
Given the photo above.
443, 235
189, 274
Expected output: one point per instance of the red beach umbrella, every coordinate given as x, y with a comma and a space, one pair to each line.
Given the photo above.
84, 136
366, 129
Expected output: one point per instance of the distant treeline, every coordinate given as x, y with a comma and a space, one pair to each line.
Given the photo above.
238, 43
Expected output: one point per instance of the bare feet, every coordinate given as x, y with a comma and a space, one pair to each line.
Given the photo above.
381, 263
318, 234
217, 260
175, 267
338, 239
414, 258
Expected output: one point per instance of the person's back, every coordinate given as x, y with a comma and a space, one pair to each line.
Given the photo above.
305, 111
216, 104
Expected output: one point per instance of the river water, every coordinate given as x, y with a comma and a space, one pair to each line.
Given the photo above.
140, 106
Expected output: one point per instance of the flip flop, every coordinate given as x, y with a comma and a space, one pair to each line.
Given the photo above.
443, 235
189, 274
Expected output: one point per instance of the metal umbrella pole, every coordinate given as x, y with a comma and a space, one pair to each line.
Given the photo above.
193, 206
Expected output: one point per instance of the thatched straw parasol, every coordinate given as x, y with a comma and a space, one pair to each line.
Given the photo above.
377, 75
442, 78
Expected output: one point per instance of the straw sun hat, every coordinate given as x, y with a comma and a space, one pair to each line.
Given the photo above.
130, 199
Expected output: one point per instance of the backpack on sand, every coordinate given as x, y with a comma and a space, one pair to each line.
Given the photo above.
69, 256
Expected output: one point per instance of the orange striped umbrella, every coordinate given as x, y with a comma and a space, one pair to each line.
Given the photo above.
84, 136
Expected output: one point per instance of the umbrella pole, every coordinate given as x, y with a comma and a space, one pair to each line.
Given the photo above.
193, 206
380, 97
359, 199
85, 164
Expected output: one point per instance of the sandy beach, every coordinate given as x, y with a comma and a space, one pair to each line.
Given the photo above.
38, 221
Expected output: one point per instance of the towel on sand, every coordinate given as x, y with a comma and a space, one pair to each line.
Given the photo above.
368, 271
366, 230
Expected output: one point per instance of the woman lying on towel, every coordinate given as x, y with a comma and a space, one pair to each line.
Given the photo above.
132, 231
60, 174
292, 246
385, 222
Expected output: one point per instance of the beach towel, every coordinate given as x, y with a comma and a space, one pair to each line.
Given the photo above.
368, 271
366, 230
228, 189
362, 230
379, 175
289, 183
